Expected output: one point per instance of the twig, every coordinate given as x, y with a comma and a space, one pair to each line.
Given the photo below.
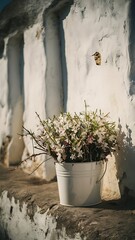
39, 165
33, 155
32, 135
40, 149
33, 149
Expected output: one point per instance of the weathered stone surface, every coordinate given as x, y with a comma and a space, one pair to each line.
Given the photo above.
58, 70
38, 199
19, 16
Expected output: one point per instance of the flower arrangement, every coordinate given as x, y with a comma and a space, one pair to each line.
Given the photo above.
87, 136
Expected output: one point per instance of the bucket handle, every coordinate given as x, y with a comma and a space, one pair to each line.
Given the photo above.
103, 174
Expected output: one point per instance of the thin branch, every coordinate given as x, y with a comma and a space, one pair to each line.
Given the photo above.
32, 135
33, 155
40, 149
40, 165
47, 130
41, 122
33, 149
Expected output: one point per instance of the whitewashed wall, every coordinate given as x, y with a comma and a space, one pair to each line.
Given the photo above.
103, 26
11, 109
16, 224
35, 95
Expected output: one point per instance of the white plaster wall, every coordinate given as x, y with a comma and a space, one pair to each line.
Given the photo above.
15, 101
102, 30
102, 26
17, 224
35, 95
90, 26
11, 106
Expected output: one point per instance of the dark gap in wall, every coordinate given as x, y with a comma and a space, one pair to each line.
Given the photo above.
21, 66
57, 5
63, 13
15, 97
132, 46
53, 66
15, 68
1, 47
3, 4
57, 13
4, 234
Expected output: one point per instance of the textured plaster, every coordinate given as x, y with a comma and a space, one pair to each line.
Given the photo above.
18, 225
35, 92
102, 27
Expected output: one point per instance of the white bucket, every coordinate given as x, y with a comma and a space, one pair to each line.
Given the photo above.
79, 184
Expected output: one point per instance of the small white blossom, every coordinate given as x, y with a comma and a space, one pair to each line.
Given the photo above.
86, 135
73, 156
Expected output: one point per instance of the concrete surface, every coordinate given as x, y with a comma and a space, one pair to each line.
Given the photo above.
46, 64
40, 202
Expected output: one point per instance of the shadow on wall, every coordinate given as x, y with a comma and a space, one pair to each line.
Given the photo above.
55, 51
132, 46
1, 47
125, 163
63, 13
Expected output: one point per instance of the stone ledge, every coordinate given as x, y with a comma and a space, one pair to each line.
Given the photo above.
30, 209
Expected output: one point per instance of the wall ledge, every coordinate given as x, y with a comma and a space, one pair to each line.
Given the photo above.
30, 209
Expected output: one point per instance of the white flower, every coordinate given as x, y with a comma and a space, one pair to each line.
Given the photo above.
73, 156
83, 135
80, 153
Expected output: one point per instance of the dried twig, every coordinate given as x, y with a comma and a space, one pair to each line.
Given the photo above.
31, 156
40, 165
